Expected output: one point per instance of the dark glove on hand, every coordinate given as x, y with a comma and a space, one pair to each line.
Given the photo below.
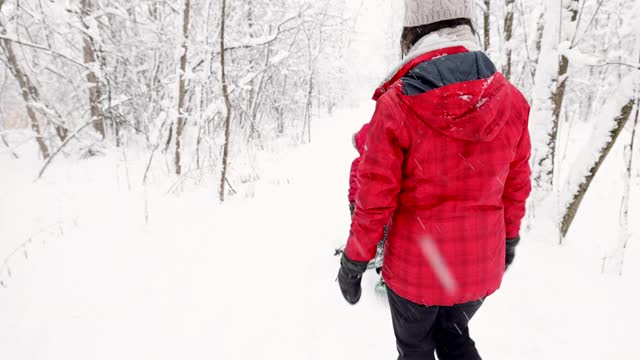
511, 250
349, 278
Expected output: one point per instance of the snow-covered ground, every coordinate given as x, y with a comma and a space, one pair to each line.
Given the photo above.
119, 272
99, 267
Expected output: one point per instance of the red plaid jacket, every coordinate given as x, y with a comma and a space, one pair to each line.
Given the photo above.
358, 142
446, 159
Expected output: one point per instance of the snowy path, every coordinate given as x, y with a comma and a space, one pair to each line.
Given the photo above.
254, 279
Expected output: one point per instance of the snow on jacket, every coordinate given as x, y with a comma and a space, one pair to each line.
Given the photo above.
447, 160
358, 142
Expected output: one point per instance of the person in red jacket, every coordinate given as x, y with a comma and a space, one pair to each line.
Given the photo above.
446, 164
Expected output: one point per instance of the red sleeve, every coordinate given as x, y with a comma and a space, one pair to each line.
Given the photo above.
518, 185
353, 183
379, 178
359, 139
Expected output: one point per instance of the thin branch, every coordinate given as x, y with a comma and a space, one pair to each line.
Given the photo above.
4, 141
50, 158
155, 148
4, 267
588, 26
25, 141
616, 63
230, 187
5, 263
270, 39
526, 41
44, 48
578, 24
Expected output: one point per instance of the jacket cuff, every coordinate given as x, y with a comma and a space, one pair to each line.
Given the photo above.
355, 268
513, 242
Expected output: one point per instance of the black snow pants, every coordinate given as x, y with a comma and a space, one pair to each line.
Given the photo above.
420, 330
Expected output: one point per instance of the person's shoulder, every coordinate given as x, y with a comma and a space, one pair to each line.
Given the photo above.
518, 104
392, 96
517, 95
392, 113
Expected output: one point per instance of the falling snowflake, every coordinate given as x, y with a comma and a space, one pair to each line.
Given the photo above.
438, 263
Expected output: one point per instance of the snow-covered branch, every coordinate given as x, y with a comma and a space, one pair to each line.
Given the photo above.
45, 49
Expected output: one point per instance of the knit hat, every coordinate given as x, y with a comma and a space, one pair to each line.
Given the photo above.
423, 12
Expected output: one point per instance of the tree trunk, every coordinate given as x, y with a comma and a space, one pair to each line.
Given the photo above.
557, 98
27, 92
538, 42
508, 35
574, 205
88, 49
307, 111
227, 101
182, 89
487, 24
551, 74
558, 94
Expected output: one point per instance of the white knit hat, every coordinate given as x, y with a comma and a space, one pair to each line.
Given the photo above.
423, 12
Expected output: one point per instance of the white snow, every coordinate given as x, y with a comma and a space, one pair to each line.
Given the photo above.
255, 278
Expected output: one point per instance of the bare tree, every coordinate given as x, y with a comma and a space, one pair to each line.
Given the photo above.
551, 76
618, 124
28, 93
182, 86
538, 42
508, 36
560, 80
88, 50
227, 101
487, 24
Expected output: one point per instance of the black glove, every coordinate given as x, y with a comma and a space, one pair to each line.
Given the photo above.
511, 250
349, 278
352, 208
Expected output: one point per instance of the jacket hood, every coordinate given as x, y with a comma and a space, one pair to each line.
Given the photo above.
472, 110
456, 92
